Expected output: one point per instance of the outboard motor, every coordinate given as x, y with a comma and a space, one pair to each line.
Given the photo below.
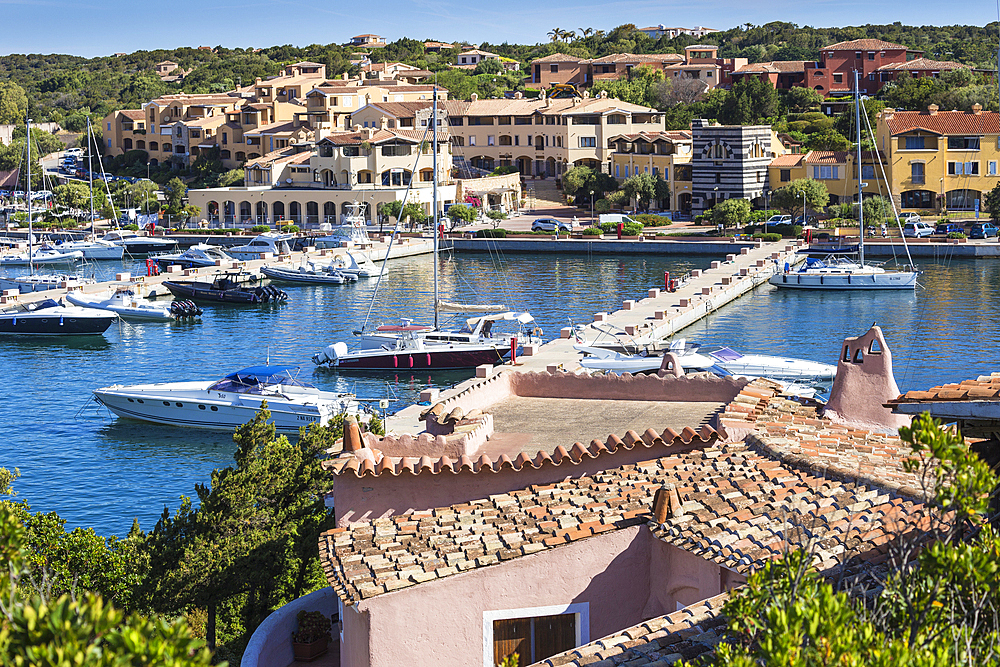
330, 354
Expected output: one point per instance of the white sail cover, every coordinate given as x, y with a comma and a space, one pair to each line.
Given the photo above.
470, 308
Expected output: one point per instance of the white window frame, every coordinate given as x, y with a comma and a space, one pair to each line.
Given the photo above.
582, 623
472, 140
585, 142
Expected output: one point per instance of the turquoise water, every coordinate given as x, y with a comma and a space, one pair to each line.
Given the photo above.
98, 471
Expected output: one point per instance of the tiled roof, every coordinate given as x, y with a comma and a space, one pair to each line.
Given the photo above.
827, 157
924, 64
639, 58
395, 465
774, 67
670, 135
684, 634
796, 477
983, 388
943, 122
378, 136
864, 45
278, 156
134, 114
559, 58
788, 160
401, 109
479, 53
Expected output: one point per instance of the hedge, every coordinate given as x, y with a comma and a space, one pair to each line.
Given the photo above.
491, 234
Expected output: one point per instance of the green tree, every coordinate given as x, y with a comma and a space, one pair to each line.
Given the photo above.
800, 98
992, 203
13, 104
581, 180
461, 213
827, 140
175, 192
731, 212
488, 66
73, 195
750, 101
910, 93
877, 210
641, 188
790, 199
143, 194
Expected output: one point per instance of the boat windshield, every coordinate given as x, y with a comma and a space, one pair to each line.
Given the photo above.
254, 379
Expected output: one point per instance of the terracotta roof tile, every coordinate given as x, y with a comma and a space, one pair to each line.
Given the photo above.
773, 67
559, 58
826, 157
788, 160
865, 45
983, 388
924, 64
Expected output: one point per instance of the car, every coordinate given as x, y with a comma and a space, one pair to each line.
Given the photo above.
779, 220
983, 230
948, 228
551, 225
805, 220
917, 230
909, 217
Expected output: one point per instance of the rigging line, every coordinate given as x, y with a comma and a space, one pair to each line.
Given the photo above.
892, 201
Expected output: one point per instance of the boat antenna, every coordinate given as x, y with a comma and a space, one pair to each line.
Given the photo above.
861, 207
31, 234
434, 198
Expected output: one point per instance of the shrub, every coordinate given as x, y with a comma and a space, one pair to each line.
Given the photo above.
313, 626
260, 228
132, 227
290, 229
491, 234
651, 220
496, 215
592, 231
943, 220
772, 238
956, 235
701, 220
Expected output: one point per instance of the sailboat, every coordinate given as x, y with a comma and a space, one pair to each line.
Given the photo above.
837, 271
409, 346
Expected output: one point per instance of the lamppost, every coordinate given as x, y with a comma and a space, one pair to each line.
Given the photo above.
592, 208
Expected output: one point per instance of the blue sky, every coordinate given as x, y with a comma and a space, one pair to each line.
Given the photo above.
102, 27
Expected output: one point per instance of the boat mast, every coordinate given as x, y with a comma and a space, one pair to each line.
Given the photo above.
434, 198
861, 208
31, 235
90, 171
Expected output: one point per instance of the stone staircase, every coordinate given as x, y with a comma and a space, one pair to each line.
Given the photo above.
543, 194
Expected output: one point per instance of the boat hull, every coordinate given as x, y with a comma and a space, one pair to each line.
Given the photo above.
890, 280
55, 325
204, 292
152, 314
302, 278
449, 359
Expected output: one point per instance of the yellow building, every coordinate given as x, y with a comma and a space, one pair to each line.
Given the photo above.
665, 155
940, 160
835, 169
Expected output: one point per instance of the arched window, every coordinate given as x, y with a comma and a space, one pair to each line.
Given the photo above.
244, 211
329, 212
278, 211
127, 144
229, 212
154, 146
140, 144
312, 212
295, 212
241, 156
395, 177
260, 214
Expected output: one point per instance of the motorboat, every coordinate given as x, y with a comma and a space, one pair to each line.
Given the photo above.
43, 255
646, 361
408, 346
268, 242
776, 368
347, 263
837, 271
308, 272
230, 402
40, 282
92, 249
50, 318
130, 306
227, 287
138, 245
197, 256
352, 231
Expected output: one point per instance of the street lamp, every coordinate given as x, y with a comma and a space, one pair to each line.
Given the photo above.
592, 208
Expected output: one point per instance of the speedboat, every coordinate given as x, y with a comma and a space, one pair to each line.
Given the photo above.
308, 272
776, 368
268, 242
44, 255
412, 346
230, 402
199, 255
228, 287
50, 318
138, 245
347, 263
40, 282
131, 307
646, 361
92, 249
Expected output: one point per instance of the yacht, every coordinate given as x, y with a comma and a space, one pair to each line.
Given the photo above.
44, 255
40, 282
92, 249
129, 306
138, 245
50, 318
230, 402
308, 272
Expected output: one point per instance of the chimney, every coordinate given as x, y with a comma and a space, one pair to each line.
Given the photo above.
356, 128
932, 109
345, 76
352, 435
383, 123
666, 502
370, 131
518, 95
474, 97
977, 108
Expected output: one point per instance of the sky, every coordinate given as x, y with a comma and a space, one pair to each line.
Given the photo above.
102, 27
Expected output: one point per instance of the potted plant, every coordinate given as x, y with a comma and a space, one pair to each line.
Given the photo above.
312, 639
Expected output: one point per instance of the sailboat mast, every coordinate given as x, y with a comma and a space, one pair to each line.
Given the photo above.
31, 234
861, 208
434, 198
90, 171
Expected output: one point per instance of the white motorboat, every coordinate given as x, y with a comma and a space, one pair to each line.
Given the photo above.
92, 249
308, 272
776, 368
129, 306
347, 263
227, 403
199, 255
268, 242
40, 282
646, 361
43, 255
50, 318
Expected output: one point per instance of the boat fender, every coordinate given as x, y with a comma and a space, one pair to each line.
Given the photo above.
428, 360
60, 320
411, 361
395, 361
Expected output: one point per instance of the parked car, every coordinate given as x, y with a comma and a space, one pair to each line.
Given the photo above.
917, 229
983, 230
948, 227
779, 220
805, 220
909, 217
551, 225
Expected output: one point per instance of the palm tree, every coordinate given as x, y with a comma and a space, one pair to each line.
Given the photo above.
586, 32
555, 34
568, 35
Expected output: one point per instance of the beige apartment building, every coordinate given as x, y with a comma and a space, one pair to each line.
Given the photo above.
665, 155
543, 137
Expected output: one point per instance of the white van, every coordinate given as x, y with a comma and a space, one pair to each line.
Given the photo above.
73, 152
615, 218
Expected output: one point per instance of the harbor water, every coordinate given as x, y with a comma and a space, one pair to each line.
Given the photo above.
99, 471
